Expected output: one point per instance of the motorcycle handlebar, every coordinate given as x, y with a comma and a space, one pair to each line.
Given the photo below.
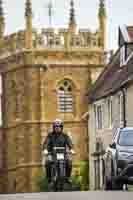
68, 151
59, 148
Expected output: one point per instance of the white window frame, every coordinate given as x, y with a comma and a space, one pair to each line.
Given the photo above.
99, 116
122, 56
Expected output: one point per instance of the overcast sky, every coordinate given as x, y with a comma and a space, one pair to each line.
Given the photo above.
119, 12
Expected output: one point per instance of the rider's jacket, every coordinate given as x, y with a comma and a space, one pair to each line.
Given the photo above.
59, 140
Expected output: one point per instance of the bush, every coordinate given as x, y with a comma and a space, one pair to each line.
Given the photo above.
80, 179
76, 182
42, 183
84, 173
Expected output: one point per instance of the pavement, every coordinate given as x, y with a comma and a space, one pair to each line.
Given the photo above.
96, 195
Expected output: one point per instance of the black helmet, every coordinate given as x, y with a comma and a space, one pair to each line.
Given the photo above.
58, 123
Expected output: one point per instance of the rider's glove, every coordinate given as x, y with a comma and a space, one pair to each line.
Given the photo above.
72, 151
45, 152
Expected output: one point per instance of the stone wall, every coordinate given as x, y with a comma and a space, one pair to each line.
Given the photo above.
30, 96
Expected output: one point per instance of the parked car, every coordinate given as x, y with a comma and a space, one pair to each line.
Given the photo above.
118, 160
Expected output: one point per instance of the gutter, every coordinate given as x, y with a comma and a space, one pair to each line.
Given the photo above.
124, 108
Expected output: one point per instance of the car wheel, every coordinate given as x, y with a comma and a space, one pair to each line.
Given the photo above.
117, 185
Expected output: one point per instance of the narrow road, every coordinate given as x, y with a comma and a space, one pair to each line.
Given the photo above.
70, 196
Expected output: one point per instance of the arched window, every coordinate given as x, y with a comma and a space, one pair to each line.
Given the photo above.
65, 97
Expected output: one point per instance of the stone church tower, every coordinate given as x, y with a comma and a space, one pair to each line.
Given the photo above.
45, 76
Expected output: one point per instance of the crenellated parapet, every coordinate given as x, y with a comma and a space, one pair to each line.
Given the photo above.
56, 39
51, 39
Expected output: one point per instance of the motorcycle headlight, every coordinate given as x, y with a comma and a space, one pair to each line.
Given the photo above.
50, 157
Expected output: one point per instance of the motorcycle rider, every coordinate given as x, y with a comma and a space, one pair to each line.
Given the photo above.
57, 138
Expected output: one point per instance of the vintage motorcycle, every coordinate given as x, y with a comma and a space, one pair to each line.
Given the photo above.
59, 181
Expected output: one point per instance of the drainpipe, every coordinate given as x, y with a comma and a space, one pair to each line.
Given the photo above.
124, 107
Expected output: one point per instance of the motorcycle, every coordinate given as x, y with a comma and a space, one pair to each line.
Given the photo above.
58, 157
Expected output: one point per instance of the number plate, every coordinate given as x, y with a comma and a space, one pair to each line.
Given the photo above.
60, 156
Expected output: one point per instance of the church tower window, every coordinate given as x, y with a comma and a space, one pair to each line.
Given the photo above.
65, 97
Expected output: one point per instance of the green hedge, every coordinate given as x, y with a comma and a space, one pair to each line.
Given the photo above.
84, 173
42, 183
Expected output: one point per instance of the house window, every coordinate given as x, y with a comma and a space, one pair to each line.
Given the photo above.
110, 118
65, 97
99, 116
122, 55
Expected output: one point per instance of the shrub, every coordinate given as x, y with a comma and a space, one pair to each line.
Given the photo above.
84, 173
76, 182
42, 183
